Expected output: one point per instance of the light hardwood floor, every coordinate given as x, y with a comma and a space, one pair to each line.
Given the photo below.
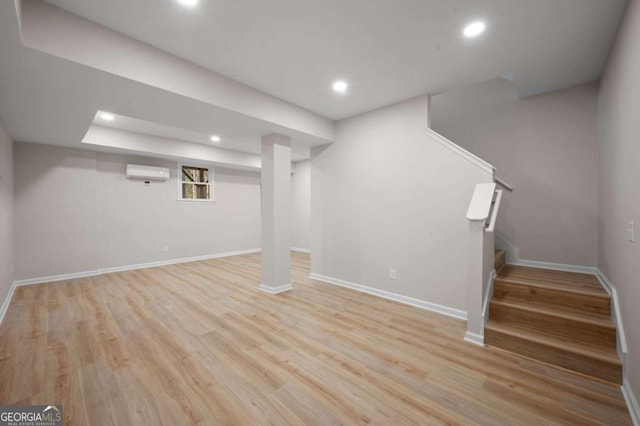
199, 343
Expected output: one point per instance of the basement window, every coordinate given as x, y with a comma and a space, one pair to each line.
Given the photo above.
195, 183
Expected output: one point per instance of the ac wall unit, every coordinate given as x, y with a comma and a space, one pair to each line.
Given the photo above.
135, 171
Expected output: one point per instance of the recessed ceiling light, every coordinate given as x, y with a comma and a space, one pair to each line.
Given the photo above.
189, 3
107, 116
340, 86
474, 29
215, 138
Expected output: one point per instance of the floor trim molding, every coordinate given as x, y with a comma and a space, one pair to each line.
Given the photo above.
487, 297
53, 278
301, 250
474, 338
7, 302
556, 266
627, 392
276, 290
428, 306
615, 310
512, 252
605, 282
632, 402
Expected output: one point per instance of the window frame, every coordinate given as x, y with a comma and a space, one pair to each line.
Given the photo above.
180, 181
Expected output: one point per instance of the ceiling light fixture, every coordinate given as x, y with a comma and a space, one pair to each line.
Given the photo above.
340, 86
106, 116
215, 138
474, 29
189, 3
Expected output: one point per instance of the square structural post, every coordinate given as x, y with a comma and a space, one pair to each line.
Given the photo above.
276, 214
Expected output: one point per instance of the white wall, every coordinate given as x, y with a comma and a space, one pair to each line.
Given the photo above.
6, 214
56, 207
547, 147
619, 126
301, 204
385, 196
75, 211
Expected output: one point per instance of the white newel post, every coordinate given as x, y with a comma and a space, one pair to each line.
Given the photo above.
480, 258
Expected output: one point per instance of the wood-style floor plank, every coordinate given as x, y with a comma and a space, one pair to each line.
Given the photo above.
198, 343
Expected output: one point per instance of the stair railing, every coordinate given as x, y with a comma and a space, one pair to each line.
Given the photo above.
503, 184
495, 207
482, 216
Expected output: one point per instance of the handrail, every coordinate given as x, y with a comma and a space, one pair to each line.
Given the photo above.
481, 200
494, 213
503, 184
460, 151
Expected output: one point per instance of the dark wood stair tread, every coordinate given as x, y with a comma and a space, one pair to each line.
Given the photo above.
562, 313
604, 354
571, 281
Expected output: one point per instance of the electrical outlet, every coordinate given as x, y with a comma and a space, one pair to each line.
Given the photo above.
631, 232
392, 274
165, 248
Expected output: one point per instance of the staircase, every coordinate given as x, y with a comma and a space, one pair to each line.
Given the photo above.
560, 318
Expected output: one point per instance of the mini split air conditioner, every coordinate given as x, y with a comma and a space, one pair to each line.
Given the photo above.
135, 171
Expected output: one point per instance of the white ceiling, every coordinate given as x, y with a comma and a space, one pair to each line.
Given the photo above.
387, 50
243, 137
292, 49
49, 100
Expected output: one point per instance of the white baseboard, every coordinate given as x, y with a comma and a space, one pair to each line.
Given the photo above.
616, 314
512, 251
301, 250
444, 310
474, 338
487, 297
556, 266
513, 258
54, 278
627, 392
84, 274
605, 282
7, 301
276, 290
632, 402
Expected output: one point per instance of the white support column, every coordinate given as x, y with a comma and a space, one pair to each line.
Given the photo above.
276, 214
